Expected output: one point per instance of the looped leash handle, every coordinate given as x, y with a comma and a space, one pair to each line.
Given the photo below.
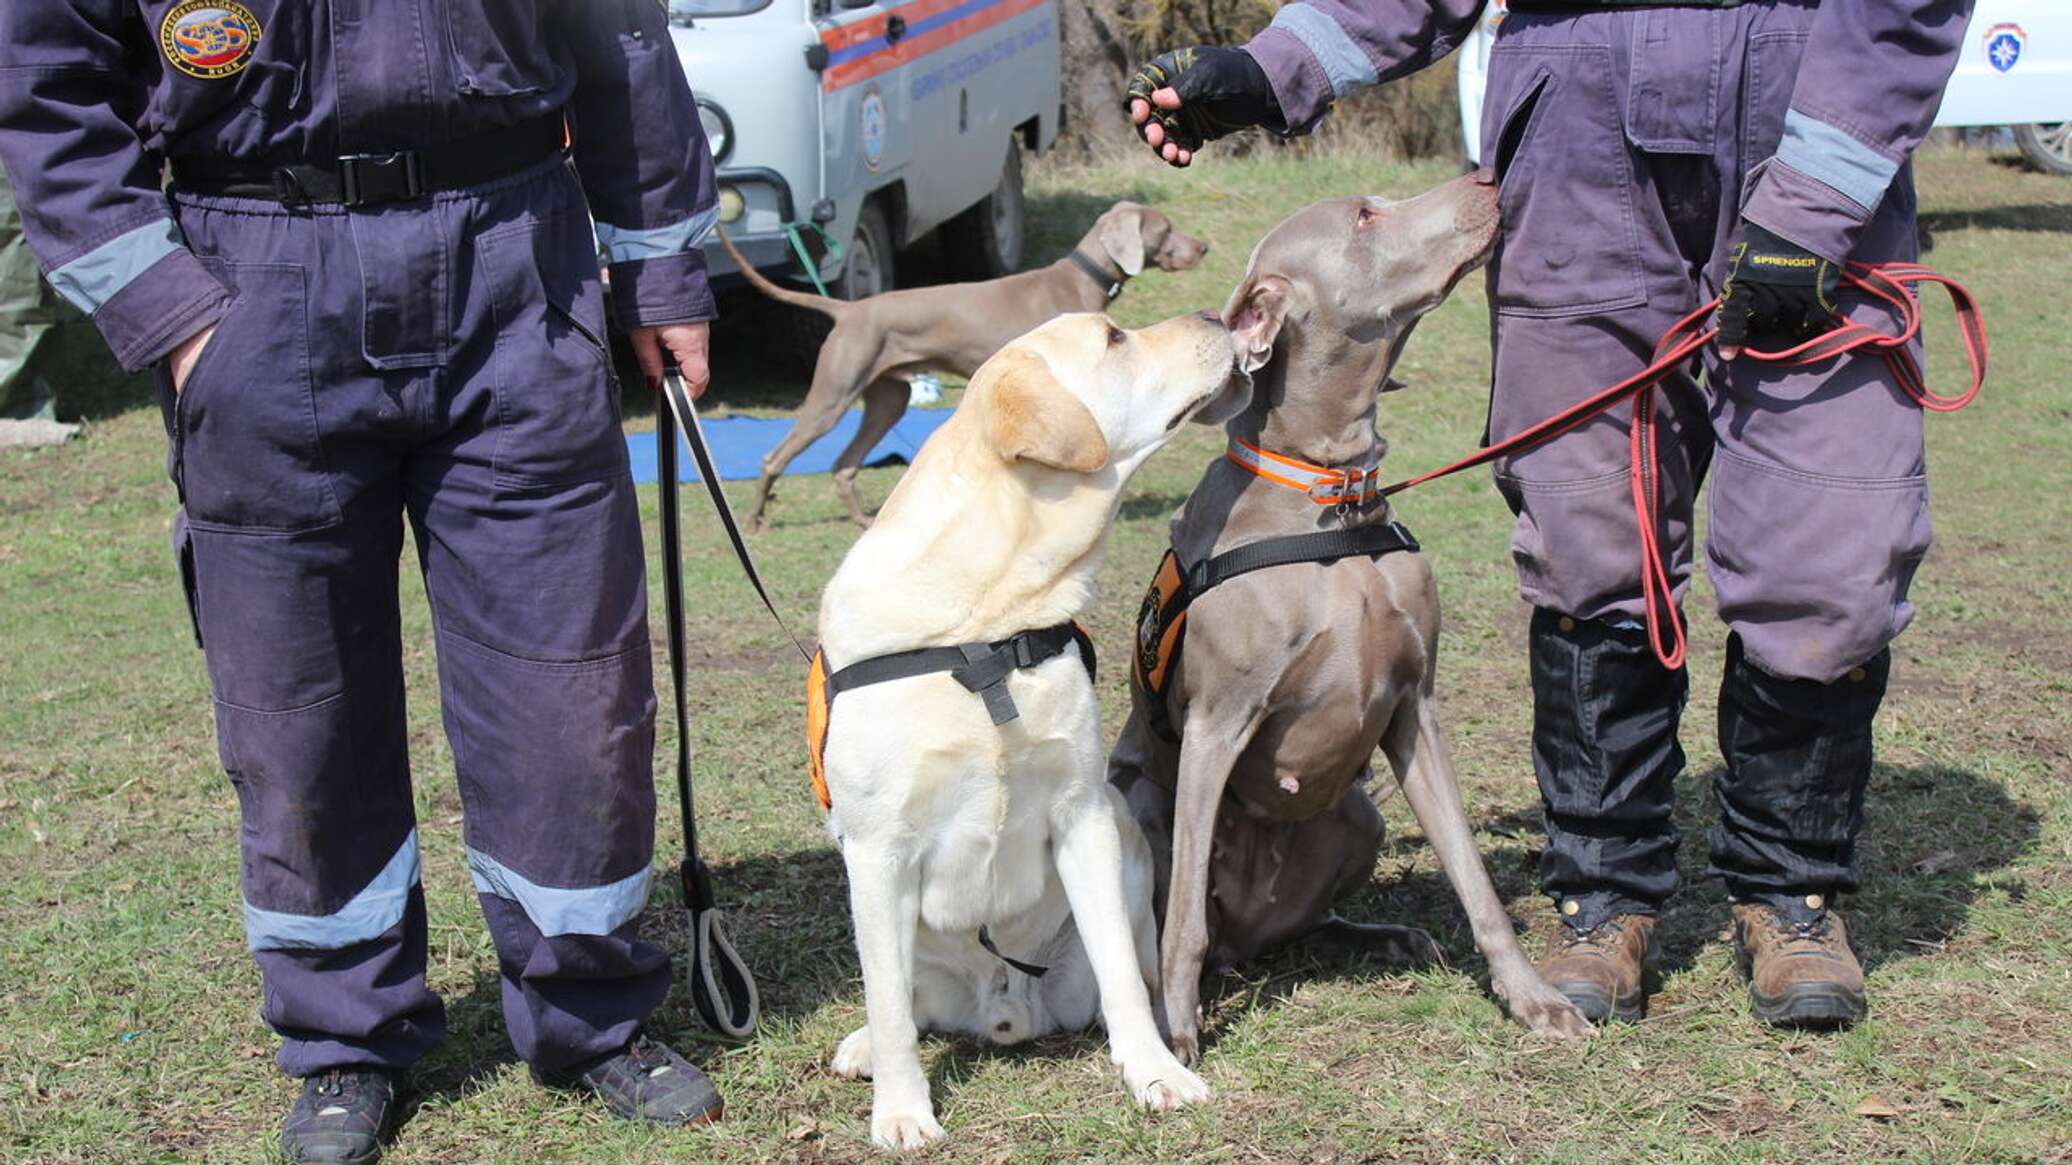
722, 989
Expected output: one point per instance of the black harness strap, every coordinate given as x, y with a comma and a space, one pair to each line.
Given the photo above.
1160, 612
1325, 546
981, 667
1111, 285
1032, 970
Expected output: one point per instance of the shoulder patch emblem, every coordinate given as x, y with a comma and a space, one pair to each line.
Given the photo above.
209, 39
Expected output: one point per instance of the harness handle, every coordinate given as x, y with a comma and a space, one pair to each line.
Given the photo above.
1891, 284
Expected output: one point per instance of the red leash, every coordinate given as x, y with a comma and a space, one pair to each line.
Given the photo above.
1891, 284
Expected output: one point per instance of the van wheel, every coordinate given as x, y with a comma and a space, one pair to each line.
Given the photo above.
2048, 147
985, 242
867, 268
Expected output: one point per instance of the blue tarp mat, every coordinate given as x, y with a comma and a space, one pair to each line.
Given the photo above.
738, 445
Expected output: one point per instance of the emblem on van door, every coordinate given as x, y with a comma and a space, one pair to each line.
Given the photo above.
871, 112
2004, 45
209, 39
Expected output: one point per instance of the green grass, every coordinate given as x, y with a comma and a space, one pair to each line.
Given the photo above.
128, 1025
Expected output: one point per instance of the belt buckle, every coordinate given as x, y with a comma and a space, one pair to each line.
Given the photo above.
371, 179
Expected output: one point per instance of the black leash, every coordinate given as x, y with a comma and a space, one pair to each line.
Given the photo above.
722, 988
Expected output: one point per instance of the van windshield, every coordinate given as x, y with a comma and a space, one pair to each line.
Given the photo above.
685, 10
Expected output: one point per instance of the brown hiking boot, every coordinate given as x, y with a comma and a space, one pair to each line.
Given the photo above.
1801, 972
1603, 970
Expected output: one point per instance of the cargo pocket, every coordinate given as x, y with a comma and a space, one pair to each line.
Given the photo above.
1771, 72
557, 410
1565, 184
1812, 569
247, 451
500, 47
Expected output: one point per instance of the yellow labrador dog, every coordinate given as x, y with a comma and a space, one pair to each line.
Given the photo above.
997, 883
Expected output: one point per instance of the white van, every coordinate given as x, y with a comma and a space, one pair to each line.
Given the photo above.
875, 122
2015, 71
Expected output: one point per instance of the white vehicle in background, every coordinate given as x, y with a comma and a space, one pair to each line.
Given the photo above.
2015, 71
871, 123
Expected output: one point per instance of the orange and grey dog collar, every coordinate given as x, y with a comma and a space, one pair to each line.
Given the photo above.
982, 668
1349, 486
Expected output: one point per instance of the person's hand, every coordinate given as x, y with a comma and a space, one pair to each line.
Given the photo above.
182, 358
690, 344
1775, 289
1184, 98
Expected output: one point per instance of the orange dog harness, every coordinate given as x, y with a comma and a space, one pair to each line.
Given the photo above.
1162, 620
982, 668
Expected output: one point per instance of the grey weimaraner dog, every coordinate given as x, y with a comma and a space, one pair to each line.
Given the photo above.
1293, 675
878, 343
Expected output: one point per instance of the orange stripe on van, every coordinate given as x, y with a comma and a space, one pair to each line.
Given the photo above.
906, 51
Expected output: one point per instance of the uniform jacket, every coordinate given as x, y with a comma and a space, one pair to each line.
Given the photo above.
1867, 89
96, 94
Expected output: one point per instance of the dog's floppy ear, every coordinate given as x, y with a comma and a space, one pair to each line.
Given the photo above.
1122, 236
1031, 417
1254, 316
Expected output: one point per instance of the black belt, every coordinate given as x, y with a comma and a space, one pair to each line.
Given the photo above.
1571, 7
980, 667
373, 179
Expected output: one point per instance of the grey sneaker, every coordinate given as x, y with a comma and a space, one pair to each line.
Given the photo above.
340, 1117
647, 1081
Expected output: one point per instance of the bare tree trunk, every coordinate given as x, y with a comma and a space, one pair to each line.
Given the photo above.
1098, 60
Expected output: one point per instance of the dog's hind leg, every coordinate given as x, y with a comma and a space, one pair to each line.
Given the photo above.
844, 369
885, 902
1417, 749
1089, 864
884, 402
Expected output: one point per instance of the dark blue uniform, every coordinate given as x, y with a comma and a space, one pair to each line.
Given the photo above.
435, 354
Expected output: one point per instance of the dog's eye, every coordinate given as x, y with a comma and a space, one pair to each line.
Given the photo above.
1366, 216
1115, 335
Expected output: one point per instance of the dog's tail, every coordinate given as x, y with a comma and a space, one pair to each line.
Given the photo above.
826, 305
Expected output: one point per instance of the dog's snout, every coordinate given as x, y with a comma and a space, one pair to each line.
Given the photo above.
1483, 176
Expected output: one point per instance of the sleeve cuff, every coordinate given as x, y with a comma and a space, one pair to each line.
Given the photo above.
171, 300
1806, 211
1300, 85
667, 289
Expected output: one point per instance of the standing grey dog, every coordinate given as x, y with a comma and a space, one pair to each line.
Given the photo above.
879, 343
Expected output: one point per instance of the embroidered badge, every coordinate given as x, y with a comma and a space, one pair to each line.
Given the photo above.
209, 39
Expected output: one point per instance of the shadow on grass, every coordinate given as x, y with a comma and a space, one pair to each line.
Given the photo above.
1936, 835
2035, 217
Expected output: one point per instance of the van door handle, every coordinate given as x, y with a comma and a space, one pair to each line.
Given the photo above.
895, 27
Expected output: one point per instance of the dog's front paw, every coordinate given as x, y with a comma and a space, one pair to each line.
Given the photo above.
904, 1130
1162, 1084
853, 1055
